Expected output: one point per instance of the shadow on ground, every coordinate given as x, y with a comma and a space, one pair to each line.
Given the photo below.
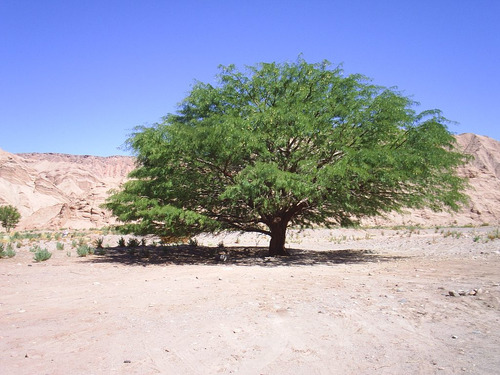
240, 256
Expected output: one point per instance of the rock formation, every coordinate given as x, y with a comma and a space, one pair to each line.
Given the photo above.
53, 191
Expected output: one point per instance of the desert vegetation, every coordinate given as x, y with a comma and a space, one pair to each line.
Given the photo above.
287, 144
43, 244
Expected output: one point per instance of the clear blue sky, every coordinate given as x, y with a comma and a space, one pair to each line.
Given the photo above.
77, 76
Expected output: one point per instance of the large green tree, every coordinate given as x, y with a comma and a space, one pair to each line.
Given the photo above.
287, 144
9, 217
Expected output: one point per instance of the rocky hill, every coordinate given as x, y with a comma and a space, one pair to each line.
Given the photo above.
483, 172
54, 191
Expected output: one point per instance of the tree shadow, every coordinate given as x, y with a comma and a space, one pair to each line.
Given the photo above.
237, 256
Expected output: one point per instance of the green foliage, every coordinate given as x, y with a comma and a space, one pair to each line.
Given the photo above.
41, 255
35, 248
100, 251
9, 217
99, 242
132, 243
59, 246
121, 242
9, 251
287, 144
84, 250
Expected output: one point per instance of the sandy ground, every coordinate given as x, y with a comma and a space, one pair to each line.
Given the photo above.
346, 302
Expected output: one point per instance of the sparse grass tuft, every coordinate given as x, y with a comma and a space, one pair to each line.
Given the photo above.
493, 235
453, 234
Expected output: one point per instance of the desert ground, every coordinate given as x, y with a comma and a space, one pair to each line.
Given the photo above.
364, 301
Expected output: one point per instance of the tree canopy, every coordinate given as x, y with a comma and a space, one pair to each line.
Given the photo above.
9, 217
282, 144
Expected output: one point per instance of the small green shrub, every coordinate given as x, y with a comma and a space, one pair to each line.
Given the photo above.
84, 250
35, 248
121, 242
100, 251
7, 252
59, 246
132, 242
98, 242
42, 255
10, 252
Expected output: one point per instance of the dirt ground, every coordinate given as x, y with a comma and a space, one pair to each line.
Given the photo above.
345, 302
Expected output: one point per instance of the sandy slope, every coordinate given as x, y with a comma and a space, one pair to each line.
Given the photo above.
345, 302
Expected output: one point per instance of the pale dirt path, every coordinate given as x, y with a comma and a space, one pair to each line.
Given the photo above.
382, 313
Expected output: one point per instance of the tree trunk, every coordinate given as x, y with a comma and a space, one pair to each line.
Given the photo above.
278, 236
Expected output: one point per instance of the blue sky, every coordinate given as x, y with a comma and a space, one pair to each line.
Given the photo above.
77, 76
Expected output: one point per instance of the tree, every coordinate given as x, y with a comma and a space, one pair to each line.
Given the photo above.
9, 217
287, 144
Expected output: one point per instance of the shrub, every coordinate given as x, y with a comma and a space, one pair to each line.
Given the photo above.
10, 252
35, 248
42, 255
100, 251
7, 252
493, 235
98, 242
132, 242
84, 250
59, 246
121, 242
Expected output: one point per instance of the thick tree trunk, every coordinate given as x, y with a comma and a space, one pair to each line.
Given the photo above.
278, 236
